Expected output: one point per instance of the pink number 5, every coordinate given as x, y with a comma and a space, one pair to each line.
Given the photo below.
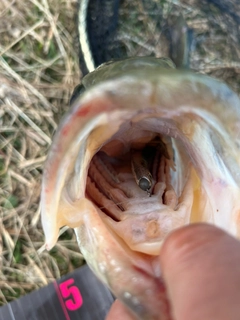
68, 290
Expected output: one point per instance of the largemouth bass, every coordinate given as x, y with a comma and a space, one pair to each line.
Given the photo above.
145, 149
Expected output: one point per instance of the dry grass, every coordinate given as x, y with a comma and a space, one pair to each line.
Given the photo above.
215, 48
38, 71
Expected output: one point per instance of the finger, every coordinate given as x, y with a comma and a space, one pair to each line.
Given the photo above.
201, 271
119, 312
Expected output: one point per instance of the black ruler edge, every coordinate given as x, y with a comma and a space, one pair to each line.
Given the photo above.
78, 295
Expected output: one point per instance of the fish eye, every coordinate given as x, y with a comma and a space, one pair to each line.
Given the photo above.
144, 183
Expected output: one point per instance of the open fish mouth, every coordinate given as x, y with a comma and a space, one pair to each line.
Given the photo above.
145, 150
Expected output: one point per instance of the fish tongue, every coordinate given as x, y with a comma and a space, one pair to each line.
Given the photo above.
148, 221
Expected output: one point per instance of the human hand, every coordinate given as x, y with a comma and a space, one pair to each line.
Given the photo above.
201, 270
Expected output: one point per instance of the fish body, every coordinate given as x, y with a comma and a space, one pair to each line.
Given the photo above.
184, 128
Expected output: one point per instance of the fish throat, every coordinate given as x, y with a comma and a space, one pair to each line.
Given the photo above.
137, 182
134, 182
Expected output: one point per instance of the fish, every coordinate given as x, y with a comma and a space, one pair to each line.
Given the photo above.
144, 149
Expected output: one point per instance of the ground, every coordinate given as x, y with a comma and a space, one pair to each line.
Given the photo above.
38, 71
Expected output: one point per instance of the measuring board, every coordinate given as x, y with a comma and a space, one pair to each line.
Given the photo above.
76, 296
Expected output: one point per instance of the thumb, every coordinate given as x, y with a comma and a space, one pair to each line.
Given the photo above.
201, 270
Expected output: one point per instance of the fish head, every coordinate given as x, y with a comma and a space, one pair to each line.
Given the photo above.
144, 150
